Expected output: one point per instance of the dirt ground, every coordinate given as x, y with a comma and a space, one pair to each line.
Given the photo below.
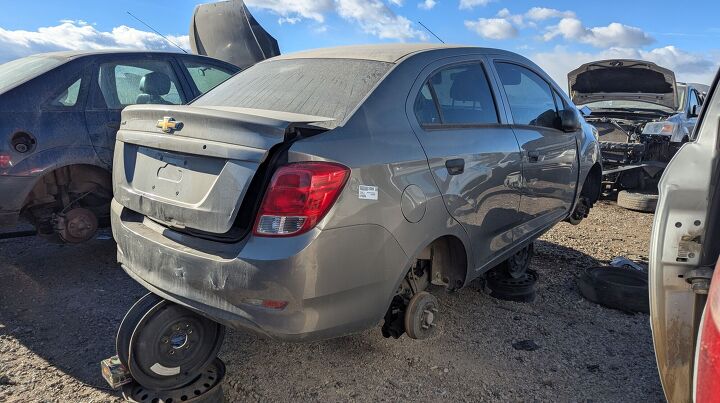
60, 307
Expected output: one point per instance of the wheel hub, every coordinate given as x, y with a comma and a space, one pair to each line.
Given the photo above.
421, 316
80, 225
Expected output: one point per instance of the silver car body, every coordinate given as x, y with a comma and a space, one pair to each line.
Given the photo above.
172, 226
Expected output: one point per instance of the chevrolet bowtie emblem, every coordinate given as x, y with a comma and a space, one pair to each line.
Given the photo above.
169, 125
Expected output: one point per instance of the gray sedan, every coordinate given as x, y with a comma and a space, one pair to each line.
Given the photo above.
317, 194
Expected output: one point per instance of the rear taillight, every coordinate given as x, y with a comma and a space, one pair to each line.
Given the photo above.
707, 382
5, 161
299, 196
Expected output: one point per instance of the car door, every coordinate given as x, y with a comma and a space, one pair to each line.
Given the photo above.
203, 75
472, 152
549, 155
124, 81
683, 253
61, 121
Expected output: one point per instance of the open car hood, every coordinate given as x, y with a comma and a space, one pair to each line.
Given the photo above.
623, 80
227, 31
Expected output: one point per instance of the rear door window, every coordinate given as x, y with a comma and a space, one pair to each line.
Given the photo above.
205, 76
139, 82
68, 96
462, 94
531, 100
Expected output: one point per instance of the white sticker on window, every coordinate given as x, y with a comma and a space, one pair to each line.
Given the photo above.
368, 192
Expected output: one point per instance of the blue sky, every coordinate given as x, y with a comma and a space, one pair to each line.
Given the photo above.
559, 35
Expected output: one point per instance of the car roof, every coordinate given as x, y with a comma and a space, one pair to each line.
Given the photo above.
74, 54
388, 53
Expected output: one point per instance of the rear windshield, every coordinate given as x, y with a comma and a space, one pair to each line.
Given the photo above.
331, 88
21, 70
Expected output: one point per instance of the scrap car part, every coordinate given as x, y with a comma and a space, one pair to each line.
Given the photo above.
518, 264
77, 225
638, 201
206, 388
504, 287
227, 31
166, 346
421, 316
617, 288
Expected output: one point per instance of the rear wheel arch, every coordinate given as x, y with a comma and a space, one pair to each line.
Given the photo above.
448, 261
85, 185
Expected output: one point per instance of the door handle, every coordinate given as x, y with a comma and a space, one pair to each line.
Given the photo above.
455, 166
533, 156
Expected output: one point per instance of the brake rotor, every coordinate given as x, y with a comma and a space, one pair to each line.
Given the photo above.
169, 345
80, 225
421, 316
206, 388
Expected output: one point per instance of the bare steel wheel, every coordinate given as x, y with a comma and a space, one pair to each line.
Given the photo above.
421, 316
166, 346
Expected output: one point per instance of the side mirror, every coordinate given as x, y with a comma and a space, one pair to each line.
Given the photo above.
694, 111
570, 120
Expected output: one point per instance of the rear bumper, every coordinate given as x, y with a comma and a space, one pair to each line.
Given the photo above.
336, 282
13, 192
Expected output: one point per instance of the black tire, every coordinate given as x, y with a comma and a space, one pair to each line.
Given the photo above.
616, 288
638, 201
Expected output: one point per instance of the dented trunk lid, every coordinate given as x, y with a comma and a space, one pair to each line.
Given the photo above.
190, 167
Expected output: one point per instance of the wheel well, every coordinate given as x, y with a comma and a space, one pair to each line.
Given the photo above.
593, 184
448, 261
64, 185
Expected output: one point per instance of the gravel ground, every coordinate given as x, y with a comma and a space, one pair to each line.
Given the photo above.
60, 307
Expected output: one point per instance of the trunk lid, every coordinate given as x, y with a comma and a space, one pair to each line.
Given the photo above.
623, 80
190, 167
226, 30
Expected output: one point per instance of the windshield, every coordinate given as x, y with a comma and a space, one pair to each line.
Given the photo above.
21, 70
627, 105
331, 88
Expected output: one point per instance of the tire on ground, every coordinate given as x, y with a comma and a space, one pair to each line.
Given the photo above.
617, 288
638, 201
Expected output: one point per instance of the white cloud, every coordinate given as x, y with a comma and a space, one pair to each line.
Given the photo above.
427, 4
375, 18
492, 28
307, 9
79, 35
543, 13
613, 35
688, 67
516, 19
470, 4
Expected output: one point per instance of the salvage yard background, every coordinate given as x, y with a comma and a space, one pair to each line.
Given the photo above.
60, 306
